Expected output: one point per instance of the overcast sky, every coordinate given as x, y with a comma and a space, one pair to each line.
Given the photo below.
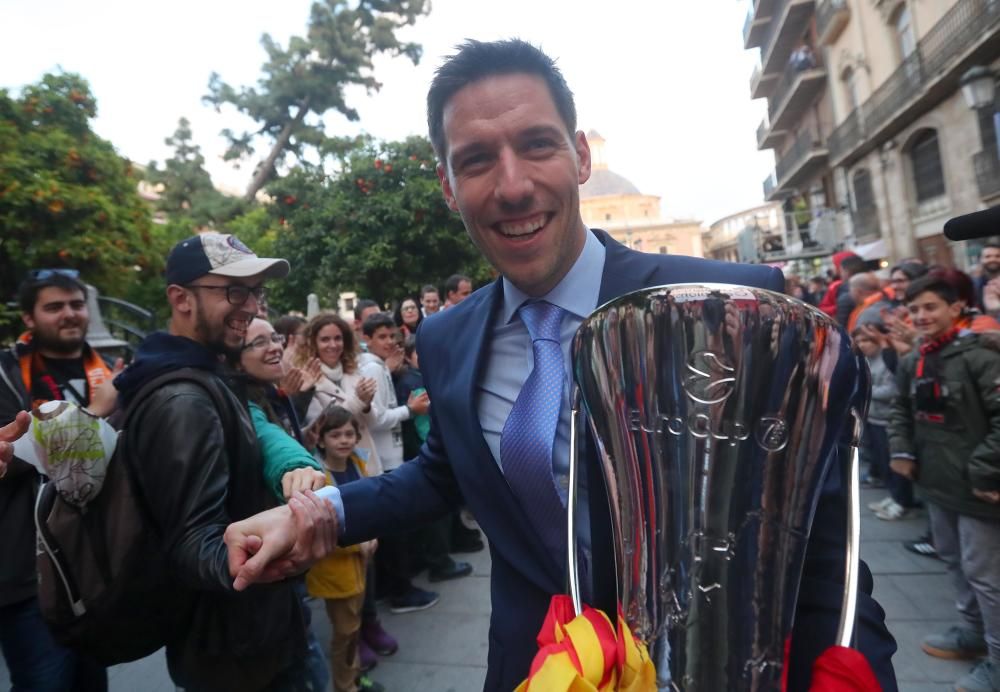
665, 82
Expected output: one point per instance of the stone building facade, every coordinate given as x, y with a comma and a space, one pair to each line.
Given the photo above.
875, 143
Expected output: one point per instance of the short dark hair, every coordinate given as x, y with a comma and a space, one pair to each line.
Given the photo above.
32, 286
288, 324
376, 322
911, 270
336, 417
477, 60
363, 304
933, 283
995, 244
429, 289
853, 265
452, 282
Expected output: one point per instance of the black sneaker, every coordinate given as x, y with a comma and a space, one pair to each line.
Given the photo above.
413, 600
922, 546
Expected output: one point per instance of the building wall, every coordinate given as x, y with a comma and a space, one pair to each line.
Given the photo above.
869, 46
665, 237
613, 209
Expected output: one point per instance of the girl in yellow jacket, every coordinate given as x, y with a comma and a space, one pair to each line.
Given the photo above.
339, 579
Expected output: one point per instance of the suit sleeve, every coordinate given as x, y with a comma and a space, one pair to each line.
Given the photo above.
818, 610
419, 491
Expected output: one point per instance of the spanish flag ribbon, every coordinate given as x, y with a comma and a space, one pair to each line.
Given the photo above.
586, 653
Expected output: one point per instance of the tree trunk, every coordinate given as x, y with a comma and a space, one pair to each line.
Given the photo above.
266, 168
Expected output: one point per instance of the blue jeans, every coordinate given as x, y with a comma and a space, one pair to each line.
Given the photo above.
37, 663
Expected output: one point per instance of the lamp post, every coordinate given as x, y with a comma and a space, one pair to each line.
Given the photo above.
978, 87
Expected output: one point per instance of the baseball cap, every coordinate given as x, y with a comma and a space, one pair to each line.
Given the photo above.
219, 254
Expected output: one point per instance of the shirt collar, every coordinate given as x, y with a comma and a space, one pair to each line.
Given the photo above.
576, 293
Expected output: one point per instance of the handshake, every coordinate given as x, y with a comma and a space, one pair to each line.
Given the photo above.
281, 542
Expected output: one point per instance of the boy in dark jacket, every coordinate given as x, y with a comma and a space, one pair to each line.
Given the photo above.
945, 435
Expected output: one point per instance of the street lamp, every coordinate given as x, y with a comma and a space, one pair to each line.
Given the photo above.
978, 87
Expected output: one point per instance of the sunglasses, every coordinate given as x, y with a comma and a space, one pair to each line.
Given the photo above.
43, 274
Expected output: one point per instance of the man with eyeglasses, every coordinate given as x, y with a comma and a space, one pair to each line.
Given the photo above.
50, 361
198, 468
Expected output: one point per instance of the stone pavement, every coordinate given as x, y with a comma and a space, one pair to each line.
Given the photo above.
444, 649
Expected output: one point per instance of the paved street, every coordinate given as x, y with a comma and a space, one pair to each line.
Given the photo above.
444, 649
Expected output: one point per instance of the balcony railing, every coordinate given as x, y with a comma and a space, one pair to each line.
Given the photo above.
846, 136
788, 21
777, 14
935, 55
987, 168
806, 143
809, 73
769, 185
831, 17
754, 29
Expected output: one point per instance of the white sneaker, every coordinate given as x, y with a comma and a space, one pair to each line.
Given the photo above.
892, 512
881, 504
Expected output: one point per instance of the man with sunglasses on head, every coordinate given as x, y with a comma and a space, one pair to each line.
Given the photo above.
50, 361
197, 467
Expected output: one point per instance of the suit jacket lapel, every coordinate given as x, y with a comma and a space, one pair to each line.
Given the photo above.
487, 471
624, 270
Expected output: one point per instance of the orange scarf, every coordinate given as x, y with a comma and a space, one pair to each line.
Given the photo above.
33, 366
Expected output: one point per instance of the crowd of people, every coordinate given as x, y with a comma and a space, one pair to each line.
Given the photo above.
931, 338
269, 458
330, 401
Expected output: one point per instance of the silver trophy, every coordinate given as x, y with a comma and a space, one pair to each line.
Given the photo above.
716, 411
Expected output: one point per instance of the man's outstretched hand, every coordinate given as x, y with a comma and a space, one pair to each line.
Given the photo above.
281, 542
9, 434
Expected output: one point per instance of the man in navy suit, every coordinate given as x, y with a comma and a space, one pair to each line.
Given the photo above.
503, 124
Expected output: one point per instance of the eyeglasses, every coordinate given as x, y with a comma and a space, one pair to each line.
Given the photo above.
408, 308
43, 274
264, 341
236, 294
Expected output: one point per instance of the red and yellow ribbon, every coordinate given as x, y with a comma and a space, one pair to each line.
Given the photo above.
585, 654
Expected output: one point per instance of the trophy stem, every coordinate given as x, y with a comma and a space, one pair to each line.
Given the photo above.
845, 631
571, 557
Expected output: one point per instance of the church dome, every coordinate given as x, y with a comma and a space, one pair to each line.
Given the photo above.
603, 181
606, 182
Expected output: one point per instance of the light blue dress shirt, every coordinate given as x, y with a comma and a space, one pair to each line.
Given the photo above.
510, 361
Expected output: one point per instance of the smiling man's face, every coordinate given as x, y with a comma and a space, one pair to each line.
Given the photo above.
513, 171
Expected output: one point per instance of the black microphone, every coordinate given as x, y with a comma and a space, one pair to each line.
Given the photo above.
978, 224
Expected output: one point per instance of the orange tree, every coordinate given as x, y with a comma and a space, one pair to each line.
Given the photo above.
67, 199
380, 227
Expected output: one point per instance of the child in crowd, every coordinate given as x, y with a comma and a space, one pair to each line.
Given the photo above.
869, 341
339, 579
945, 435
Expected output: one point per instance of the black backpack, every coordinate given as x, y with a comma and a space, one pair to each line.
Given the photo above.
104, 583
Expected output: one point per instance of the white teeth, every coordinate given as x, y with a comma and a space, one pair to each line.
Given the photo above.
523, 227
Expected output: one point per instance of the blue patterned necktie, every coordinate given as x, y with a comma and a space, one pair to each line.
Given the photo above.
529, 433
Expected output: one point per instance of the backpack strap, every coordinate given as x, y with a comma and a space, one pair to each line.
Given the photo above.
204, 379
